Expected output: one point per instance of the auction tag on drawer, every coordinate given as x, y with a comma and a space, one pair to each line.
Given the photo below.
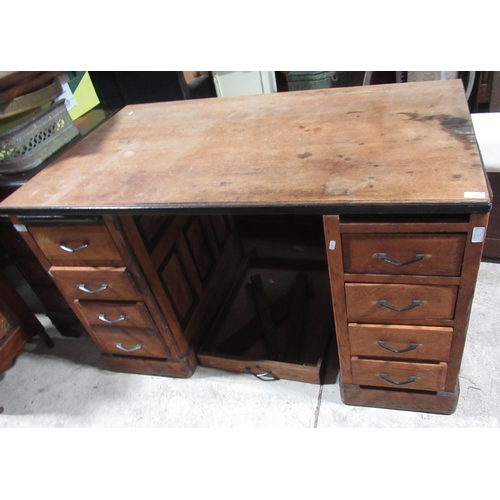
478, 234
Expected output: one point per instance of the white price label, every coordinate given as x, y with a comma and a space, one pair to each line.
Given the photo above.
478, 234
474, 194
69, 98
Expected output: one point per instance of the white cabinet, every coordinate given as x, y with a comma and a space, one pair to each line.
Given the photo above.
236, 83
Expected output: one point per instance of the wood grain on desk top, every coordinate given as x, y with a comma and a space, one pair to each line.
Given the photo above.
384, 144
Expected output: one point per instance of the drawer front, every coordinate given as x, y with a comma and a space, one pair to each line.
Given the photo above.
264, 370
430, 343
399, 374
115, 314
367, 302
130, 342
99, 283
404, 253
69, 244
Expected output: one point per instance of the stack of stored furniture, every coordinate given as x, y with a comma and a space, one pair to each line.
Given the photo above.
35, 128
34, 124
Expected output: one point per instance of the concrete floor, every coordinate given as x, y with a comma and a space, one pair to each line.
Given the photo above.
69, 386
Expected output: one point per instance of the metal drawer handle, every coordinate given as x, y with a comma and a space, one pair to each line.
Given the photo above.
102, 317
414, 304
265, 377
409, 381
84, 288
411, 347
136, 348
386, 258
66, 248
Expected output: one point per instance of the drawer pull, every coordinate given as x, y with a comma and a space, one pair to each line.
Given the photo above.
414, 304
386, 258
265, 377
66, 248
84, 288
102, 317
387, 379
136, 348
411, 347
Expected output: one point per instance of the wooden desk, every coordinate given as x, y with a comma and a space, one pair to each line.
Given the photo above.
145, 225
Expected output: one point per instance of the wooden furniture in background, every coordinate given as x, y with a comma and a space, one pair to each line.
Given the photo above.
148, 226
492, 245
489, 91
18, 324
486, 129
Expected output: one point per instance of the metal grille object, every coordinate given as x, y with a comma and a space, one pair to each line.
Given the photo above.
33, 141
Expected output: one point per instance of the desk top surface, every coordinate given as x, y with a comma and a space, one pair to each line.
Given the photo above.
400, 147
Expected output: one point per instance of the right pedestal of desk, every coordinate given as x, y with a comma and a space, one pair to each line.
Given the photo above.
402, 290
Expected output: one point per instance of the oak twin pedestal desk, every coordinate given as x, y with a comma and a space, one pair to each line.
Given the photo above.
245, 233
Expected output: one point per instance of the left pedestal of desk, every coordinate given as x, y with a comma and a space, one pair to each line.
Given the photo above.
145, 288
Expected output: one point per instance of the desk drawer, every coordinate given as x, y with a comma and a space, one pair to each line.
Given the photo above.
399, 374
429, 343
403, 253
115, 314
367, 302
74, 244
130, 342
265, 370
100, 283
300, 313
